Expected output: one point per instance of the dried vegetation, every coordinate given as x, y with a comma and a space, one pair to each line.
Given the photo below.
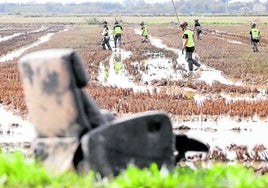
236, 61
217, 49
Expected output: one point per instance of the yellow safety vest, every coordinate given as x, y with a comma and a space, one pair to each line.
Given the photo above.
144, 31
117, 30
255, 33
190, 42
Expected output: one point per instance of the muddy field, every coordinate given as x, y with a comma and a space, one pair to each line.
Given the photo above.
223, 104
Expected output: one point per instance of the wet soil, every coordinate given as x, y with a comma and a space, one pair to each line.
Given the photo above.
221, 48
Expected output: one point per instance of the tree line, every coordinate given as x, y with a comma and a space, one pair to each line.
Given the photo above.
139, 7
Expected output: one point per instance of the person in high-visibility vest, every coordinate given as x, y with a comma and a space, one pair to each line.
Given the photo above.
144, 33
118, 30
188, 46
106, 37
118, 65
255, 37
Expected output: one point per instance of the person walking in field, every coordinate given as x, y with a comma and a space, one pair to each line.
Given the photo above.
188, 46
255, 37
118, 30
144, 33
197, 29
106, 37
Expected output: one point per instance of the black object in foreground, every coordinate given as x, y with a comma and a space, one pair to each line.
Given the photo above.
140, 139
183, 144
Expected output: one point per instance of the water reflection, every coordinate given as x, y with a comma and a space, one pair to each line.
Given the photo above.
113, 73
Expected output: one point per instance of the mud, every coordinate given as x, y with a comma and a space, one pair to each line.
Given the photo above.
224, 103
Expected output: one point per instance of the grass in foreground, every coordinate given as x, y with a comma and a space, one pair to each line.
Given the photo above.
15, 172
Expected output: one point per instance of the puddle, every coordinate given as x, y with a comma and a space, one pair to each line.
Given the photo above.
251, 98
157, 69
5, 38
42, 28
113, 74
19, 52
226, 132
211, 75
14, 129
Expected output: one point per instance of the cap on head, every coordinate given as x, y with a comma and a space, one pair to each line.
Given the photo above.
105, 23
196, 20
183, 25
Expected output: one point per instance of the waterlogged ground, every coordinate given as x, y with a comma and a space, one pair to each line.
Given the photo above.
224, 134
223, 104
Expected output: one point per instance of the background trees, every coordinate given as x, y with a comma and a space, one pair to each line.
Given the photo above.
140, 7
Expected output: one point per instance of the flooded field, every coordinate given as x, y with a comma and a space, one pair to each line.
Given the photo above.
224, 103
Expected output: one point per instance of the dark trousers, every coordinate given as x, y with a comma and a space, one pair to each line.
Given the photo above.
254, 45
198, 32
117, 38
191, 61
106, 41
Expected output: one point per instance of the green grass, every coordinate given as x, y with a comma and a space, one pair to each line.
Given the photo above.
17, 171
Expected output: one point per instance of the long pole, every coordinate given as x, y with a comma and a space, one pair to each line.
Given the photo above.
175, 11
